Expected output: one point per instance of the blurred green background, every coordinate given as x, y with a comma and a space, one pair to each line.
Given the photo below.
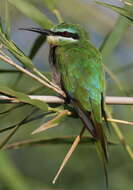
34, 167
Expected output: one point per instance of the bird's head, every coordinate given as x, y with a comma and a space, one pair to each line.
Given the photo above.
62, 34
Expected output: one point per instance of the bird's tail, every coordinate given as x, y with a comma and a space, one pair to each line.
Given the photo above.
97, 132
101, 145
102, 148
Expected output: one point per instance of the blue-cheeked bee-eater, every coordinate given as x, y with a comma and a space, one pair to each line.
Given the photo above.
78, 69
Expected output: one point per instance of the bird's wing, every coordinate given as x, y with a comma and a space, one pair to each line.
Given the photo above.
82, 77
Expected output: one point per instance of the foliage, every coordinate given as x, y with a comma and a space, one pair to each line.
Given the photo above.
53, 115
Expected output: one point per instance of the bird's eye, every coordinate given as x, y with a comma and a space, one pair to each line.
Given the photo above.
66, 34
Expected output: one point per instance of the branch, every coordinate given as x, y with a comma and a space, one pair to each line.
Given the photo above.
18, 67
113, 100
50, 141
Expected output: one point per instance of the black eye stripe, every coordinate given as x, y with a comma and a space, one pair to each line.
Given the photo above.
67, 34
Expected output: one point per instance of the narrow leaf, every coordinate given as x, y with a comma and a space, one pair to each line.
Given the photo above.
49, 4
126, 12
13, 49
12, 176
21, 97
109, 44
53, 122
25, 121
32, 12
2, 144
37, 45
67, 157
120, 121
121, 138
7, 19
8, 137
52, 141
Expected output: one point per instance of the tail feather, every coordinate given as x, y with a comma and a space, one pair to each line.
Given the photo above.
101, 138
101, 145
104, 162
104, 114
97, 132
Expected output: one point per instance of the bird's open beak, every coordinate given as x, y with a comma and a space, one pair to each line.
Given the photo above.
39, 30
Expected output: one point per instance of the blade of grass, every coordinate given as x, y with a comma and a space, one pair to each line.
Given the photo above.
121, 138
53, 122
58, 15
114, 37
126, 11
109, 44
23, 98
12, 108
26, 121
115, 79
119, 121
9, 61
67, 157
49, 4
37, 45
32, 12
8, 137
9, 71
11, 175
53, 141
7, 19
13, 49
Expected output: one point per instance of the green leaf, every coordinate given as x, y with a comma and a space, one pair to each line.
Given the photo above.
53, 141
40, 116
9, 71
50, 4
13, 178
13, 49
37, 45
14, 130
53, 122
7, 19
110, 42
21, 97
127, 11
32, 12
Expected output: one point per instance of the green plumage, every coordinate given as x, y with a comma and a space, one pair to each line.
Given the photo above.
80, 67
82, 76
81, 70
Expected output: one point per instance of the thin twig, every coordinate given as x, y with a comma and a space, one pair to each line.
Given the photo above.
114, 78
127, 2
58, 15
8, 137
53, 122
67, 140
119, 121
9, 61
111, 100
45, 78
67, 157
121, 138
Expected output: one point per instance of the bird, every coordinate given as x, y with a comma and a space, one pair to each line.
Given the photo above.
78, 69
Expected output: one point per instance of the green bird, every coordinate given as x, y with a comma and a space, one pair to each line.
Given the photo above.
78, 69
